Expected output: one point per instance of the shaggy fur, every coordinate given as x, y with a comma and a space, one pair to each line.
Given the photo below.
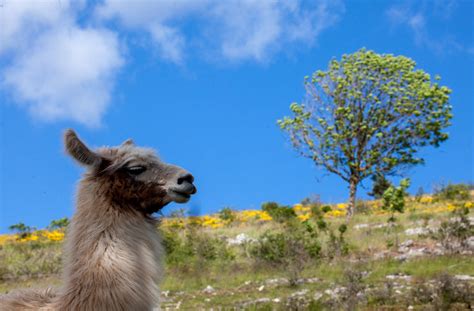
113, 252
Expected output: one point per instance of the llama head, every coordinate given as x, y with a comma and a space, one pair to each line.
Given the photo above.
132, 175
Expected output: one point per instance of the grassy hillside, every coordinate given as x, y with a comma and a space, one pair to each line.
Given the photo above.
300, 257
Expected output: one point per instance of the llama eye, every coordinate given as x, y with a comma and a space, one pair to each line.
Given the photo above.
136, 170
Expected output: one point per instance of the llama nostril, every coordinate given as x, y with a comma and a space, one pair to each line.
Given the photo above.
187, 177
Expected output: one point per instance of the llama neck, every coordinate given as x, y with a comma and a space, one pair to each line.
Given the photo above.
112, 256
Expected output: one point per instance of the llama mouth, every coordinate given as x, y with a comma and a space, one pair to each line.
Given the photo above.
178, 196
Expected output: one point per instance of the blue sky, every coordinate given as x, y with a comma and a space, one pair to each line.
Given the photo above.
204, 82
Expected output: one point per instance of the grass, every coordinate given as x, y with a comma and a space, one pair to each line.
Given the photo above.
239, 279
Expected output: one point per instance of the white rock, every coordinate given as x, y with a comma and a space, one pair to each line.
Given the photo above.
317, 296
413, 252
328, 292
300, 293
407, 243
361, 226
277, 300
464, 277
470, 242
262, 300
209, 289
398, 277
416, 231
261, 288
240, 239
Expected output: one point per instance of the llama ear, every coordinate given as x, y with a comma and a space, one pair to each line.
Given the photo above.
79, 151
128, 142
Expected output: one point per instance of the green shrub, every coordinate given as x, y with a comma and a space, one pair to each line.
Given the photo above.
452, 192
453, 234
61, 223
227, 214
279, 213
379, 186
291, 250
22, 230
193, 245
337, 245
394, 199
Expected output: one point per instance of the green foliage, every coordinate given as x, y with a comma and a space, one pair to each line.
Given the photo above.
293, 249
326, 208
61, 223
227, 214
380, 184
279, 213
454, 234
337, 245
394, 198
447, 293
22, 229
368, 113
453, 192
194, 245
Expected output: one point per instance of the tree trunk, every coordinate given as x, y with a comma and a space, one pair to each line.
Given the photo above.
352, 198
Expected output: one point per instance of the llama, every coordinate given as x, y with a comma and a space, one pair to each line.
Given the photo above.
112, 252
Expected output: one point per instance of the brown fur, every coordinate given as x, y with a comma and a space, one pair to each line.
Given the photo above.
113, 252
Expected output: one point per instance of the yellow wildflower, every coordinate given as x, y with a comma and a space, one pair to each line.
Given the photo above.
55, 235
298, 207
31, 237
303, 217
426, 199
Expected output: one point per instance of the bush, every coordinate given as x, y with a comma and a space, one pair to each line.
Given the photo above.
292, 250
279, 213
394, 198
61, 223
445, 293
227, 214
194, 245
207, 248
23, 230
454, 233
379, 186
453, 192
337, 245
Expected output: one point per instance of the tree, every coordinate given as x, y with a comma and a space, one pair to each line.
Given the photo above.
61, 223
22, 229
380, 184
394, 198
368, 114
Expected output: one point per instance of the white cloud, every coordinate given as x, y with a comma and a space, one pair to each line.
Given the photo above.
60, 69
55, 68
157, 18
66, 74
233, 30
417, 21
